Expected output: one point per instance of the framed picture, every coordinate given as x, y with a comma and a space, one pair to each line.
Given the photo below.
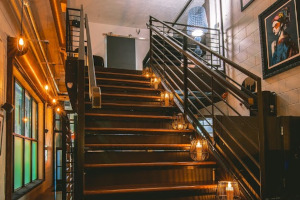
1, 130
279, 33
245, 4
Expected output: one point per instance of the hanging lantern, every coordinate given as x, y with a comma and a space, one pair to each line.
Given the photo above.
199, 150
180, 122
166, 98
154, 82
147, 72
228, 190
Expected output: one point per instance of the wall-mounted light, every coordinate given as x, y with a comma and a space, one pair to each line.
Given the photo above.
21, 39
199, 150
166, 98
228, 190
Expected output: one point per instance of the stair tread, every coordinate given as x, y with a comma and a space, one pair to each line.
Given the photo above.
138, 130
132, 105
139, 145
129, 116
152, 188
123, 80
129, 87
121, 74
153, 164
129, 95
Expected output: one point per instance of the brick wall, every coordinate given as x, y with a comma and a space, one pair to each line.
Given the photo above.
243, 47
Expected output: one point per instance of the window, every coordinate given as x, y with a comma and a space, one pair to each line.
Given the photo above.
25, 138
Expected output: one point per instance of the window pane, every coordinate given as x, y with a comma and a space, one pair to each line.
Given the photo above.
34, 161
34, 120
18, 109
27, 161
27, 118
18, 163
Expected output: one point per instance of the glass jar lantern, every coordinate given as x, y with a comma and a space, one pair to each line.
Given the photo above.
199, 150
228, 190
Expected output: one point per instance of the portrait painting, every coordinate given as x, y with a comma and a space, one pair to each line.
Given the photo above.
280, 42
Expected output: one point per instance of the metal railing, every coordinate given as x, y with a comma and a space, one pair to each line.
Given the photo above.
209, 96
68, 173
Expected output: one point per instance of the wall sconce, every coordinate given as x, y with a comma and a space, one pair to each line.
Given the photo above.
166, 98
155, 82
147, 72
179, 122
228, 190
21, 40
199, 150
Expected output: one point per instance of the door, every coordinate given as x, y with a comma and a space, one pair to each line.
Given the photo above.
120, 52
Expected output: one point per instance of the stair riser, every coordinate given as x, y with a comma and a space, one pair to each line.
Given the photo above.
136, 157
137, 139
119, 76
121, 83
145, 175
127, 110
116, 70
170, 195
91, 121
127, 91
111, 99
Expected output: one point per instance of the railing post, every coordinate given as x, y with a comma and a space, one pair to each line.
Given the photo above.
185, 75
64, 158
80, 132
262, 135
151, 43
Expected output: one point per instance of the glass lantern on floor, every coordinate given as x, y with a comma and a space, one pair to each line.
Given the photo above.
199, 150
179, 122
228, 190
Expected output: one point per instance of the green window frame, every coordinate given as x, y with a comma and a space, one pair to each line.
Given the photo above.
25, 138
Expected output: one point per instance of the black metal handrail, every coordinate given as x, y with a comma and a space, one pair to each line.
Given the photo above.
200, 91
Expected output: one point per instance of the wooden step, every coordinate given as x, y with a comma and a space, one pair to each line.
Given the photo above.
128, 88
156, 164
128, 116
128, 96
104, 80
138, 146
118, 70
132, 105
137, 138
140, 130
121, 75
153, 188
137, 156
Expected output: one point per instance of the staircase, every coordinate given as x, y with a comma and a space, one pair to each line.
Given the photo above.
131, 150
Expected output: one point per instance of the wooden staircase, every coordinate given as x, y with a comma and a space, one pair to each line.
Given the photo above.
131, 150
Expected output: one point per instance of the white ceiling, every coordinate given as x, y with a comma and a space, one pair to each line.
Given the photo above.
132, 13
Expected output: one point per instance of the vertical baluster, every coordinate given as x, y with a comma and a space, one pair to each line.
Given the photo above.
185, 75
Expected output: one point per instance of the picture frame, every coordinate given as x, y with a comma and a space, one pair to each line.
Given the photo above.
280, 37
245, 4
1, 130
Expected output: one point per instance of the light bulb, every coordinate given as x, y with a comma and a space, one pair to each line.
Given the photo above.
58, 109
21, 41
197, 33
46, 87
54, 101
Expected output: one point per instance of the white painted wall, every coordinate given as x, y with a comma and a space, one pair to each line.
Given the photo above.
98, 40
243, 47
